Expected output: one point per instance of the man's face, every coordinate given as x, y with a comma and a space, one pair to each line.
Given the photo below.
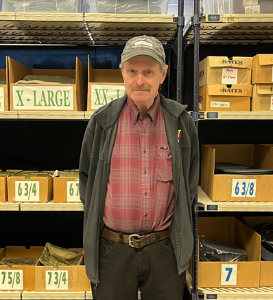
142, 77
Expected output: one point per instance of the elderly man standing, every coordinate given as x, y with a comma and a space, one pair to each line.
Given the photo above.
138, 176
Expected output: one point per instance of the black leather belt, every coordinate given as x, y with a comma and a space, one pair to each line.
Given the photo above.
136, 240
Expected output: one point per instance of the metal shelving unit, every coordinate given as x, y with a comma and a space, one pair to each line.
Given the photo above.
215, 29
82, 29
44, 29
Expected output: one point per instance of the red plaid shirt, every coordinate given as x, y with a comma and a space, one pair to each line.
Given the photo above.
140, 192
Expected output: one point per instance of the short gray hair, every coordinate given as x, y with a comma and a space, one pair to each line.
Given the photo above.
162, 66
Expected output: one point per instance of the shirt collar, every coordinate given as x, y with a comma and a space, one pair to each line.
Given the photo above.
152, 112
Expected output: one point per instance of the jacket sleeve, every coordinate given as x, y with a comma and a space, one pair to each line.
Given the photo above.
194, 166
85, 162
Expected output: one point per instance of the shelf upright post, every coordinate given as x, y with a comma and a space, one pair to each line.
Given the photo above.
196, 24
180, 67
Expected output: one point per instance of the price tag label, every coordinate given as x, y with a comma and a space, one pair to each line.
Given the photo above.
57, 280
244, 188
11, 280
27, 191
72, 193
229, 274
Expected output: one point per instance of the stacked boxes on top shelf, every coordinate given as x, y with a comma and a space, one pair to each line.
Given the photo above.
237, 6
225, 84
262, 80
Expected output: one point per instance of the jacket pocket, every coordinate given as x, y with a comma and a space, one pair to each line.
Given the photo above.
163, 163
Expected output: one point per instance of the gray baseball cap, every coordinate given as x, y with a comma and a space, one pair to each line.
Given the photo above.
143, 45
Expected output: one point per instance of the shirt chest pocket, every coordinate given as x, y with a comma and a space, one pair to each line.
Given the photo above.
163, 163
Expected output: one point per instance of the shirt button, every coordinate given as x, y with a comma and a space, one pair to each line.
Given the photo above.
144, 151
145, 172
144, 131
145, 215
145, 193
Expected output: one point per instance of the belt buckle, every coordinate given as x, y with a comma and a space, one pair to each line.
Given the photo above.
131, 244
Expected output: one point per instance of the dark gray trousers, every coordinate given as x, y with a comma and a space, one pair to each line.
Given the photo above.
152, 269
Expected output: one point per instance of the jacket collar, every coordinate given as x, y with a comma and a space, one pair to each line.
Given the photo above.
109, 114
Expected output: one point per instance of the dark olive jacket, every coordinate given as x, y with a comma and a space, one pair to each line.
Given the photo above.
94, 172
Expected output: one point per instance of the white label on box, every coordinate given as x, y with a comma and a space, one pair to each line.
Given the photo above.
229, 76
271, 103
27, 191
56, 280
229, 274
103, 94
43, 97
72, 191
2, 99
219, 104
11, 280
244, 188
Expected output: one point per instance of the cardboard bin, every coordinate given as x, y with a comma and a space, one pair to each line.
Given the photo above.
4, 185
231, 231
83, 281
28, 282
262, 98
104, 85
47, 96
262, 68
30, 186
231, 187
219, 97
66, 187
66, 283
4, 90
222, 70
266, 275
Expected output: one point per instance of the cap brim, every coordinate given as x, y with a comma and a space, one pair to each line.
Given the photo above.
140, 52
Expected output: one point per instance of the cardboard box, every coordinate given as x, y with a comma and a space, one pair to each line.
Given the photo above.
4, 91
252, 7
3, 184
262, 98
231, 187
231, 231
262, 68
30, 186
46, 96
28, 271
66, 187
68, 282
220, 97
83, 281
222, 70
266, 276
104, 85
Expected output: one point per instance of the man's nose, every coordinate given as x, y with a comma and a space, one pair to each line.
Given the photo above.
139, 79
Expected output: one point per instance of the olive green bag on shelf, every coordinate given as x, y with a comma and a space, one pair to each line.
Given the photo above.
57, 256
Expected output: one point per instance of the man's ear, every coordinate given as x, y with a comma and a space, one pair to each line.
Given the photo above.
164, 73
